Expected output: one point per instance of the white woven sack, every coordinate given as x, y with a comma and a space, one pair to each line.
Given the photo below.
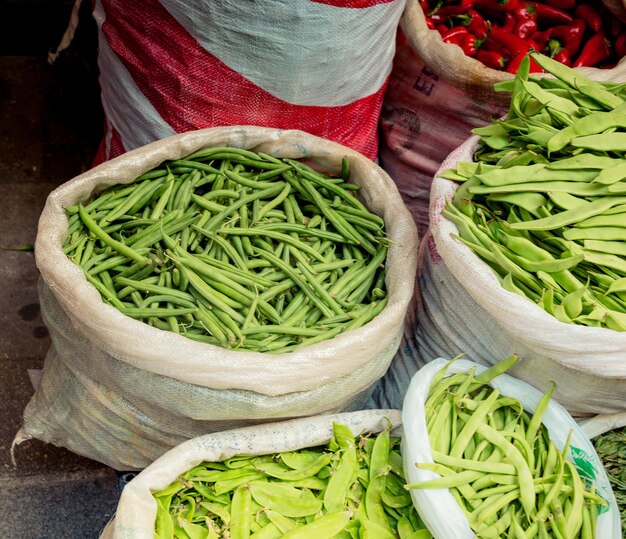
594, 426
463, 308
122, 392
136, 510
437, 507
436, 96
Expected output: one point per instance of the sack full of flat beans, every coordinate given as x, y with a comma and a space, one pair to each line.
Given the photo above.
299, 477
448, 57
212, 280
525, 250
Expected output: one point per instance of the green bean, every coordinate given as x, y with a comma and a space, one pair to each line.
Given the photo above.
157, 312
164, 199
304, 230
319, 179
471, 426
108, 240
277, 236
190, 163
213, 297
170, 229
307, 287
476, 465
129, 202
338, 221
156, 289
273, 203
109, 296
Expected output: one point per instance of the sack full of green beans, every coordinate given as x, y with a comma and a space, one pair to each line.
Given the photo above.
525, 251
212, 280
308, 477
500, 458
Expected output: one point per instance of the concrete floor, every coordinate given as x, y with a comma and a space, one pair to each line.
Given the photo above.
50, 125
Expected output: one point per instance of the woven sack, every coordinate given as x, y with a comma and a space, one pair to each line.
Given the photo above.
122, 392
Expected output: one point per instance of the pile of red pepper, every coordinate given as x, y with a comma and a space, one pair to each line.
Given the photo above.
499, 33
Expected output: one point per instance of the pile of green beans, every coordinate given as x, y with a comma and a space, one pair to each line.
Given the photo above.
236, 249
349, 489
500, 464
544, 202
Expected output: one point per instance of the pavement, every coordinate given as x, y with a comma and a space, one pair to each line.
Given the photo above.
50, 126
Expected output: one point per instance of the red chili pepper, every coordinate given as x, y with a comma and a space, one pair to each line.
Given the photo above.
525, 29
620, 45
525, 11
492, 59
430, 23
590, 15
460, 36
563, 56
512, 43
455, 35
551, 15
595, 51
475, 23
491, 6
562, 4
570, 36
509, 22
542, 38
614, 26
517, 59
470, 45
492, 45
525, 20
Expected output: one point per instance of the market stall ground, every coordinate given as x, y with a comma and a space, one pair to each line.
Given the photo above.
50, 124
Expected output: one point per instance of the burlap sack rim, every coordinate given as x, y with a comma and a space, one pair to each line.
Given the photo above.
71, 287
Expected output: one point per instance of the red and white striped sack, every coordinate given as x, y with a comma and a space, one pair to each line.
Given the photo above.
170, 66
